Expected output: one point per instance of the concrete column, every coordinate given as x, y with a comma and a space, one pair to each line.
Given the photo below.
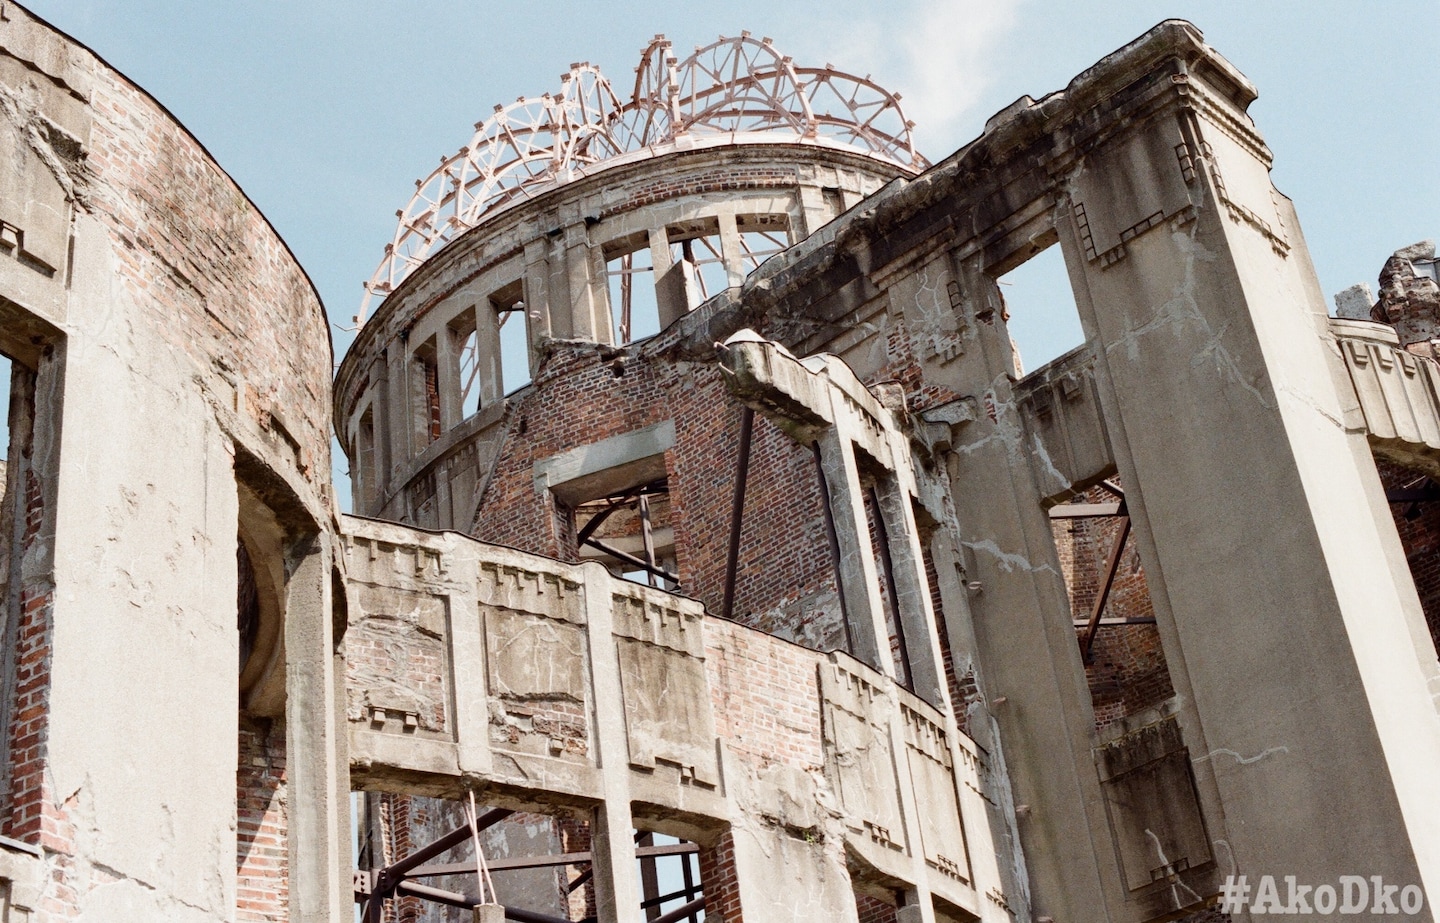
913, 604
589, 296
859, 577
1034, 682
612, 831
1283, 595
671, 298
545, 320
986, 819
447, 376
317, 774
397, 406
489, 377
731, 250
812, 212
467, 641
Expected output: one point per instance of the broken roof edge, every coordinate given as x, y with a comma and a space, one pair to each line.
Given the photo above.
1013, 128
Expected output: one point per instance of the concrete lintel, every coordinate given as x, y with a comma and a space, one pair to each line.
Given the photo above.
589, 468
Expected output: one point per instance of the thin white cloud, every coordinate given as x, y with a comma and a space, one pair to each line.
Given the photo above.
939, 54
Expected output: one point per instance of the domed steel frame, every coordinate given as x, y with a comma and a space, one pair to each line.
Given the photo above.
734, 91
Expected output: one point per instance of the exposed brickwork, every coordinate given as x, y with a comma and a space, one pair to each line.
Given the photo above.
1410, 299
1419, 528
261, 825
766, 696
208, 275
722, 882
785, 579
874, 910
33, 815
1127, 671
384, 646
575, 837
398, 816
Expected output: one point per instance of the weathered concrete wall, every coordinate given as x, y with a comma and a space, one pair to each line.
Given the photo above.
724, 735
176, 352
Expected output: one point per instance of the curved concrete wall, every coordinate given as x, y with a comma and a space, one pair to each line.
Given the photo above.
172, 359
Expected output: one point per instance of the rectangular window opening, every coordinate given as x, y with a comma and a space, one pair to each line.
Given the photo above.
514, 322
634, 312
669, 872
1039, 308
630, 532
761, 237
425, 394
366, 471
1111, 608
521, 848
466, 346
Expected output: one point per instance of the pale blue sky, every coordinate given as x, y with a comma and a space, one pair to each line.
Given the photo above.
326, 112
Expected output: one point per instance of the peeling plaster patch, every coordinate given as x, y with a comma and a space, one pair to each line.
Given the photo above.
1039, 452
1175, 314
56, 149
1175, 884
1242, 760
1009, 561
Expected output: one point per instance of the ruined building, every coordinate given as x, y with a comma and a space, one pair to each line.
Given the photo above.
710, 543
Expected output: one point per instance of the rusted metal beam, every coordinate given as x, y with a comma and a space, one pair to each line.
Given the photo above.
687, 891
1112, 623
599, 518
631, 559
532, 862
1111, 567
450, 840
680, 913
456, 899
737, 510
649, 879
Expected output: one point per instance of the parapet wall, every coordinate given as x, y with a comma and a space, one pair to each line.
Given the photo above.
537, 683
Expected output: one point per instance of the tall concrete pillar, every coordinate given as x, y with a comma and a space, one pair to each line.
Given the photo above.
731, 250
317, 762
447, 376
1036, 696
858, 575
489, 375
1283, 597
617, 889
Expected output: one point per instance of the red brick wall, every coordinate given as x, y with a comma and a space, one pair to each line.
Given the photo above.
765, 695
722, 882
874, 910
33, 815
1419, 528
785, 577
261, 825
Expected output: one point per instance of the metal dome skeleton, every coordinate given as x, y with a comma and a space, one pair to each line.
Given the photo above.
733, 91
